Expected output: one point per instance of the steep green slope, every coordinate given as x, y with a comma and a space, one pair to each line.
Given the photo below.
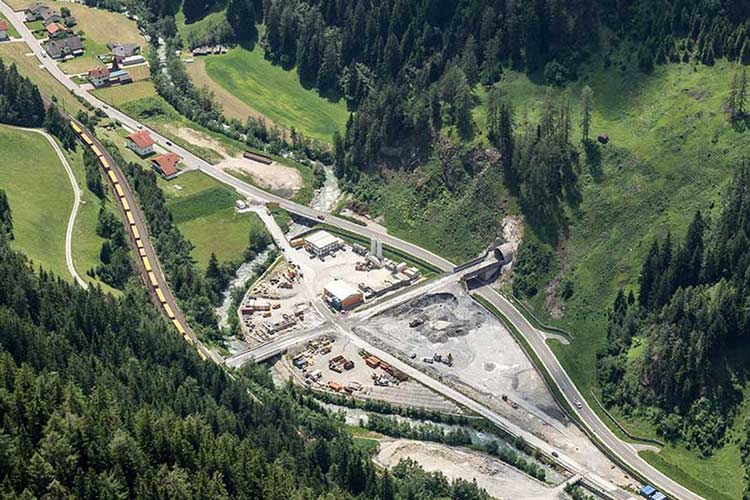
671, 152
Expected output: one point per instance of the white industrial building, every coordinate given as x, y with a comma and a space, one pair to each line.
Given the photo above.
322, 243
342, 295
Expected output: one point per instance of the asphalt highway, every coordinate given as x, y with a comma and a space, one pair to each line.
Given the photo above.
588, 417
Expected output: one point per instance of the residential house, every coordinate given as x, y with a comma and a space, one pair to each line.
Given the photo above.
64, 48
3, 29
51, 16
99, 77
122, 50
166, 165
140, 142
36, 12
56, 30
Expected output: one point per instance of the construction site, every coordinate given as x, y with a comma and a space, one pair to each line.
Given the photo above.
276, 305
334, 364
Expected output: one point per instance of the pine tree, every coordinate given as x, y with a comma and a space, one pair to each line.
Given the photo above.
6, 216
587, 98
742, 95
242, 18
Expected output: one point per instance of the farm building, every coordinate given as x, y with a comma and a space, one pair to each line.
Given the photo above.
120, 76
322, 243
140, 142
56, 30
342, 296
3, 29
166, 165
99, 77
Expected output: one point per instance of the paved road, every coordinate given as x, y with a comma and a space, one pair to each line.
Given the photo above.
587, 415
73, 212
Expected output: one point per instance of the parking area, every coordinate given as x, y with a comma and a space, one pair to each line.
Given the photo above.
334, 364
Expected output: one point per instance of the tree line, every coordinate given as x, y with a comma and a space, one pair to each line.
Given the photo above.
691, 315
103, 400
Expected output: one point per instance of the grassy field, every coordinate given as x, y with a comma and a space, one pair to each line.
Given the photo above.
671, 152
122, 94
29, 67
272, 91
40, 203
203, 210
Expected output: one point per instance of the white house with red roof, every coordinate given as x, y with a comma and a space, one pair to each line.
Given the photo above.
166, 165
140, 142
99, 77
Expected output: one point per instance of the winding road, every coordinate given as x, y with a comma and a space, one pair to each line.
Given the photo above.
623, 451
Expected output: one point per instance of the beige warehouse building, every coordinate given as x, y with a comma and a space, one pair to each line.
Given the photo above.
322, 243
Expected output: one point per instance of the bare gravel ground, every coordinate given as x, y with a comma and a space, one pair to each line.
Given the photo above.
487, 363
500, 480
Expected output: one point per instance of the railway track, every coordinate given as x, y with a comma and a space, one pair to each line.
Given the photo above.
148, 263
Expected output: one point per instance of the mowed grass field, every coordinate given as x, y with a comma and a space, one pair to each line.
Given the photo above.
671, 152
272, 91
203, 210
29, 66
12, 32
40, 196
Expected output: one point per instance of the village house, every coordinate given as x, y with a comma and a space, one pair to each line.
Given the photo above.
166, 165
99, 77
64, 48
140, 142
125, 54
56, 30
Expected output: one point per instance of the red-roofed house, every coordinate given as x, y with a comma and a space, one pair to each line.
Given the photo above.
3, 29
56, 30
140, 142
166, 165
99, 77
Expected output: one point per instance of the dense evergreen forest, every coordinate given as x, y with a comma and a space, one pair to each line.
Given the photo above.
692, 315
101, 399
20, 100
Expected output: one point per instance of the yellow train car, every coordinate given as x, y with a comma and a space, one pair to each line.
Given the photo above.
152, 279
96, 151
147, 264
160, 296
86, 139
112, 177
188, 339
104, 162
142, 252
179, 327
75, 127
168, 309
136, 233
138, 241
202, 356
120, 192
129, 215
124, 201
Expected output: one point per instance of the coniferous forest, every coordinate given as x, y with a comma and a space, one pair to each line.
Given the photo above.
101, 399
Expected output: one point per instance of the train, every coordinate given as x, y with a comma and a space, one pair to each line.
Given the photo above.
153, 282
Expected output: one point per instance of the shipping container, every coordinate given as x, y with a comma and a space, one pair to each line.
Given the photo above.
160, 296
152, 279
147, 264
179, 327
124, 201
120, 193
168, 309
142, 251
129, 215
112, 177
86, 139
96, 151
136, 233
138, 242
